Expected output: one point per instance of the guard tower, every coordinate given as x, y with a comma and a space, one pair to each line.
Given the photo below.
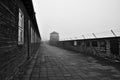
54, 37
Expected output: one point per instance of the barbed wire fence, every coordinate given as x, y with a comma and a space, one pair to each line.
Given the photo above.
104, 34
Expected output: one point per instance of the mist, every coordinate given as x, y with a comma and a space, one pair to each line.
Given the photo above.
73, 18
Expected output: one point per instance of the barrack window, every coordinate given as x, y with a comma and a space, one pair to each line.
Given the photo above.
21, 27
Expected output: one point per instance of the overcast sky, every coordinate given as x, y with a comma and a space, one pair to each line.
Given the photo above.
73, 18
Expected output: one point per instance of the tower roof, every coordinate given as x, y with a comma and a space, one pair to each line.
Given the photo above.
53, 32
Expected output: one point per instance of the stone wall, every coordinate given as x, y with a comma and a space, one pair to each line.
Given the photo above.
103, 47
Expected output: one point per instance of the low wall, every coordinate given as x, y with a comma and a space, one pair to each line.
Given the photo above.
103, 47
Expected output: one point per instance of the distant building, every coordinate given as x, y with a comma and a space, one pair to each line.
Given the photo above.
54, 37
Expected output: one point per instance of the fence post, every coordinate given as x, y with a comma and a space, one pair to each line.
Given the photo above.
113, 33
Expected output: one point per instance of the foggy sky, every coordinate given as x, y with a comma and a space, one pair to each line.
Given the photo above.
72, 18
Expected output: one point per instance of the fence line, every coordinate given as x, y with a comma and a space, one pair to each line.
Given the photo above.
104, 34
